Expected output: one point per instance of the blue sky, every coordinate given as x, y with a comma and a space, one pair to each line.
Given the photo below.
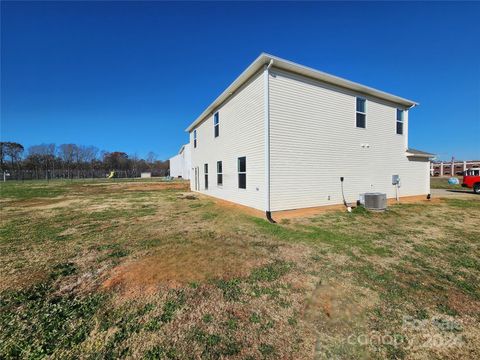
132, 76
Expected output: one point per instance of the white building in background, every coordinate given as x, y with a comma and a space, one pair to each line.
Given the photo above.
181, 164
284, 136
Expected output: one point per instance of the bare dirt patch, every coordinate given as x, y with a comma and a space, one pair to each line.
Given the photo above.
463, 304
179, 265
187, 196
233, 206
11, 281
89, 189
61, 203
158, 186
334, 303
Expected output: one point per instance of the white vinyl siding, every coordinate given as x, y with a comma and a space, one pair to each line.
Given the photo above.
176, 166
313, 144
242, 134
180, 165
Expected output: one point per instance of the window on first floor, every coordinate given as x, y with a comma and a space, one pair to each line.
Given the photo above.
242, 172
219, 173
361, 120
206, 175
399, 121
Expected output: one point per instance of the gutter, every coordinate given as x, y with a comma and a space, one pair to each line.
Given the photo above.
266, 76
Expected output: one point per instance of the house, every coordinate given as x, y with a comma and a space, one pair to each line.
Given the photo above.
180, 164
284, 136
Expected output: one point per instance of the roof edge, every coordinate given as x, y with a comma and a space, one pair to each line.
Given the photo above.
292, 67
419, 153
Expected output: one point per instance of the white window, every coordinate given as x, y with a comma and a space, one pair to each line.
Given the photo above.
361, 119
219, 173
399, 121
194, 138
216, 125
242, 172
206, 176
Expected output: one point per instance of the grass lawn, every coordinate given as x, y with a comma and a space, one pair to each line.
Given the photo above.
442, 183
140, 270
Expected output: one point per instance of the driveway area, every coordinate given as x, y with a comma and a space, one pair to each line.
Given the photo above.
454, 193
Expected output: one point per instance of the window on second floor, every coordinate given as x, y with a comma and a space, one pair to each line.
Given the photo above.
399, 121
216, 124
361, 119
194, 138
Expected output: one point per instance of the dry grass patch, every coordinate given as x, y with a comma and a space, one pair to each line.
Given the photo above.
184, 262
180, 186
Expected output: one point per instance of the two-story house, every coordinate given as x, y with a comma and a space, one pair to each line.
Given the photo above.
284, 136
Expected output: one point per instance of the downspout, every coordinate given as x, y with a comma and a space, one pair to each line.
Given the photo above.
266, 75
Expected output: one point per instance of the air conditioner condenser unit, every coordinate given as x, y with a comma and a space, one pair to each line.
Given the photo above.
375, 201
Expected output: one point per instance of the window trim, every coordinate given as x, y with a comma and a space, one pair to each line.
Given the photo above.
241, 172
359, 112
220, 173
401, 121
216, 125
195, 138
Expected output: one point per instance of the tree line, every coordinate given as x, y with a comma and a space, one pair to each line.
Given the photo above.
72, 161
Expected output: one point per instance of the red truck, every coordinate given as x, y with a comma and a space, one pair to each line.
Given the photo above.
471, 179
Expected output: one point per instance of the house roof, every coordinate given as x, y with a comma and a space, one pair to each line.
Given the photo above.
419, 153
301, 70
182, 148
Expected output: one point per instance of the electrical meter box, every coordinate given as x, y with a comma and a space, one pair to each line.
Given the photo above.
395, 179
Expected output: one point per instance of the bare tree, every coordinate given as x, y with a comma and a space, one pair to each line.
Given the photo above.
151, 158
90, 153
42, 157
42, 149
68, 154
134, 161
